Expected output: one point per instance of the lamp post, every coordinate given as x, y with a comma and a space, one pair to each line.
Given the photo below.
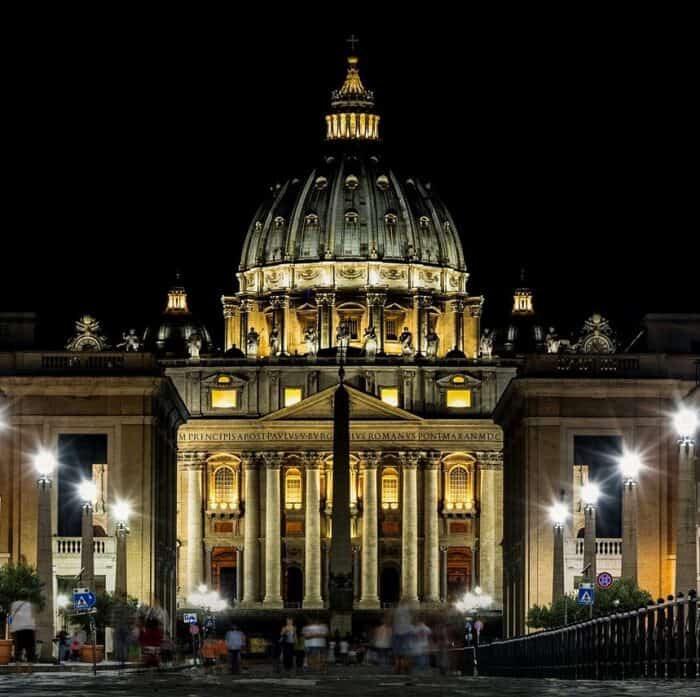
45, 464
630, 463
122, 512
686, 423
87, 491
558, 515
590, 493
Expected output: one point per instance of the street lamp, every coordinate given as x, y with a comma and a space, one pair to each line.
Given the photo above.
590, 493
122, 513
686, 423
558, 514
45, 464
630, 464
88, 493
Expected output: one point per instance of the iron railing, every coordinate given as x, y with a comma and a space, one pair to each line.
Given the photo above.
656, 642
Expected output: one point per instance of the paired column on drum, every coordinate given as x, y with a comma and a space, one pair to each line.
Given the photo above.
324, 303
409, 528
424, 302
244, 309
375, 305
280, 304
431, 542
458, 312
312, 530
251, 533
273, 549
370, 538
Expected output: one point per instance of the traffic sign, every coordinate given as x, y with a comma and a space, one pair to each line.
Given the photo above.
83, 600
586, 595
604, 580
189, 617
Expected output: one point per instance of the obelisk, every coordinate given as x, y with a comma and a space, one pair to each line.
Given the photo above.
340, 575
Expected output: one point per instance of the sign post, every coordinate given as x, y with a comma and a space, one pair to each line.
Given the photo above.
586, 596
84, 604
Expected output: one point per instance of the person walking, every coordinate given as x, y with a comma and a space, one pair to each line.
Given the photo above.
235, 642
288, 637
315, 634
23, 629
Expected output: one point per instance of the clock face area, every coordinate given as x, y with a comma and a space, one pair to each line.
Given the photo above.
597, 344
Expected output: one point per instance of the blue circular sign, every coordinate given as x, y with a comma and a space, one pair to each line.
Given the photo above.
604, 580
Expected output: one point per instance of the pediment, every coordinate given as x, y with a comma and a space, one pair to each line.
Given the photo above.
459, 380
363, 407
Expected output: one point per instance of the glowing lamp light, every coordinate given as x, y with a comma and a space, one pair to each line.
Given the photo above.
62, 601
630, 464
45, 463
590, 493
87, 491
122, 511
558, 514
685, 422
208, 599
470, 602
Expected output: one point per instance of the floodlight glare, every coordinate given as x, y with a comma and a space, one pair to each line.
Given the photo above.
558, 513
87, 491
630, 464
44, 462
590, 493
686, 423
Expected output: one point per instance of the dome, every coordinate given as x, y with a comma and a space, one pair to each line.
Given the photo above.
352, 207
172, 333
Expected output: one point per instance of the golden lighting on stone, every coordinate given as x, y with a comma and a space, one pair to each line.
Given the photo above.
177, 300
390, 396
292, 395
223, 380
224, 399
522, 302
459, 399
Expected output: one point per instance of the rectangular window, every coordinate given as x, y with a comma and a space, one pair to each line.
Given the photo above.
352, 328
224, 399
459, 399
390, 330
292, 395
389, 395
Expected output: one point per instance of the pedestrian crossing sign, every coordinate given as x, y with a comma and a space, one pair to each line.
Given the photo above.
586, 596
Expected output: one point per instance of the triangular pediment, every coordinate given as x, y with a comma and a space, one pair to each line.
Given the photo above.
363, 407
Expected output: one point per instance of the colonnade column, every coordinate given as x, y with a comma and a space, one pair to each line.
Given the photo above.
194, 566
273, 566
409, 529
431, 537
686, 517
490, 496
312, 535
370, 537
251, 533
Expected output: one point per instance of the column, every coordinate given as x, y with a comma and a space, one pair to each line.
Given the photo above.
324, 303
409, 529
195, 471
490, 495
312, 535
273, 550
686, 522
370, 537
431, 537
279, 304
375, 305
472, 330
422, 301
251, 532
589, 543
121, 532
207, 566
87, 552
245, 307
44, 566
239, 575
443, 574
558, 563
231, 313
458, 311
629, 530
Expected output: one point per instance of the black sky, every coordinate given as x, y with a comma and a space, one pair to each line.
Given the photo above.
135, 145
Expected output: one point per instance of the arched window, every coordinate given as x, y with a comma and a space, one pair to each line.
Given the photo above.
292, 489
458, 488
224, 489
390, 488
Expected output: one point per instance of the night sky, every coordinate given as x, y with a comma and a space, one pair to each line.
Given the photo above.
137, 145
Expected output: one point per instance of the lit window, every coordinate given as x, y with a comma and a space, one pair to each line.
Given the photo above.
459, 399
391, 330
224, 490
389, 395
224, 399
292, 496
223, 380
458, 486
390, 488
458, 380
292, 395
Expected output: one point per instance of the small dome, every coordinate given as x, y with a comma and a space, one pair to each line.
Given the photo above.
171, 334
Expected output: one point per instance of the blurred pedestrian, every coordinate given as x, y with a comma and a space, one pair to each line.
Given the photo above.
23, 629
288, 637
422, 645
315, 634
235, 642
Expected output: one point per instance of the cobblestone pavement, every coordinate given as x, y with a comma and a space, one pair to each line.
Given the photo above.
367, 682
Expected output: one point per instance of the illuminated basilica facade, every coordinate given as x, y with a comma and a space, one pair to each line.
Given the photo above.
460, 437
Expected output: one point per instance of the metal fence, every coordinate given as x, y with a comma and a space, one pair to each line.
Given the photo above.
657, 641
